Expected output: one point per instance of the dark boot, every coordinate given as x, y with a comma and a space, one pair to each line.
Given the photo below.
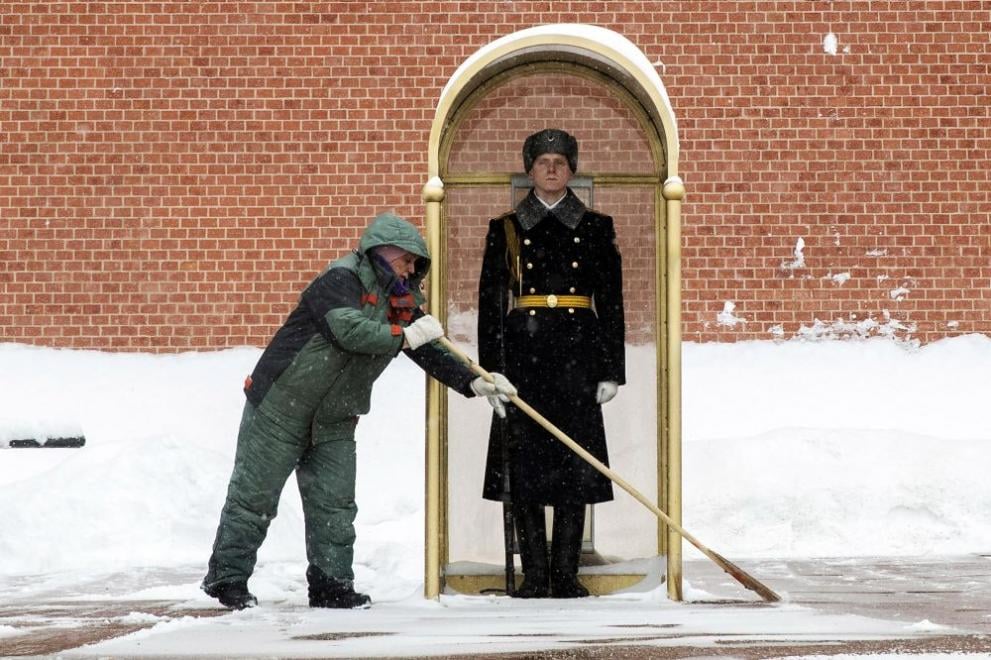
326, 591
532, 533
566, 550
234, 595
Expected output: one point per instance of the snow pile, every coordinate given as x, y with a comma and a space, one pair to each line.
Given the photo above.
791, 449
842, 448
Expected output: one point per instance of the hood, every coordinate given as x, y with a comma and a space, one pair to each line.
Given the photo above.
389, 229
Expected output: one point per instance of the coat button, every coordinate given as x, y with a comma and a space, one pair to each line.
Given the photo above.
571, 310
533, 312
533, 290
577, 240
529, 266
571, 290
574, 264
526, 241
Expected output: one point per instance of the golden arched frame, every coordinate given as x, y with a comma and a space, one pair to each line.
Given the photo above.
585, 50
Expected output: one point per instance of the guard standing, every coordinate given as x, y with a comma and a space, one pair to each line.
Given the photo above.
551, 319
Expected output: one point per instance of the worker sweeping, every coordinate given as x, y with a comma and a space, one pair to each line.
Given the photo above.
305, 396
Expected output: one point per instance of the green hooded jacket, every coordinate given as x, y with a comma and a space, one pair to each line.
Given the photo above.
319, 368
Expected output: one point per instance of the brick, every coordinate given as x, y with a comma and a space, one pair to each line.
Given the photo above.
187, 155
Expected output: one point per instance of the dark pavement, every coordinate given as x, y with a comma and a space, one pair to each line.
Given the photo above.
944, 604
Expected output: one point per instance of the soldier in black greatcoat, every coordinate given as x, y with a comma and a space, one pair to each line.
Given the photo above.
551, 319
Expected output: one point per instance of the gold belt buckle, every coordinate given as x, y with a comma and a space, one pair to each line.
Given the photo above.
552, 301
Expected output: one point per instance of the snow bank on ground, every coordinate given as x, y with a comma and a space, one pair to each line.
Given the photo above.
791, 449
842, 448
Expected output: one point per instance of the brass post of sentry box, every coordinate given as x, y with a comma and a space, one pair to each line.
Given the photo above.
674, 192
435, 531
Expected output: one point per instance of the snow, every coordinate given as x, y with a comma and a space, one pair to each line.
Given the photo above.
792, 449
799, 260
899, 293
888, 656
830, 44
853, 327
726, 317
840, 278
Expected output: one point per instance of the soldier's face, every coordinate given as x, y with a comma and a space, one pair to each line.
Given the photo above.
550, 174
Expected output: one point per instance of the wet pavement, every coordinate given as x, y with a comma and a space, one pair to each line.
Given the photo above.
943, 604
949, 591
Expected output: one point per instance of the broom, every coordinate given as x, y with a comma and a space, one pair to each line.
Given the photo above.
738, 574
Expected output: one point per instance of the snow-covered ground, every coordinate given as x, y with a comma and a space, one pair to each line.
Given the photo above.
792, 449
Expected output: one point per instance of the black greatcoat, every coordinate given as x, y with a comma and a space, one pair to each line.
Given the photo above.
555, 356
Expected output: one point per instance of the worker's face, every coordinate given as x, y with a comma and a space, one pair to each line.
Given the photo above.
550, 174
404, 265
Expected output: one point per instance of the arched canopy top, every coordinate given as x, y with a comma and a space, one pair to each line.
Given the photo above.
588, 45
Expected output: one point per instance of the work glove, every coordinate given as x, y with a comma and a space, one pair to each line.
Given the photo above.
422, 331
606, 391
499, 390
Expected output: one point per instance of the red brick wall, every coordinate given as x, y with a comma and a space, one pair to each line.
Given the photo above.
877, 157
172, 173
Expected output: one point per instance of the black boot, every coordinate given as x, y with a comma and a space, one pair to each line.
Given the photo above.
326, 591
234, 595
532, 533
566, 550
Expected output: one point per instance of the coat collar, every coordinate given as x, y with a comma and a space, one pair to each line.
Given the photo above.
531, 211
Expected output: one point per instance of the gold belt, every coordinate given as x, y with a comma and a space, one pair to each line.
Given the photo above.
552, 301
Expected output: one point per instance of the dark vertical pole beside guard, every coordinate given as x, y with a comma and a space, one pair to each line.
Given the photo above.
508, 524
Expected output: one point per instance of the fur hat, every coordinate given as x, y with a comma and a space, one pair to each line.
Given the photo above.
550, 141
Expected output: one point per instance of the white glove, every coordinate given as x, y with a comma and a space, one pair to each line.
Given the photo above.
422, 331
499, 390
606, 391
